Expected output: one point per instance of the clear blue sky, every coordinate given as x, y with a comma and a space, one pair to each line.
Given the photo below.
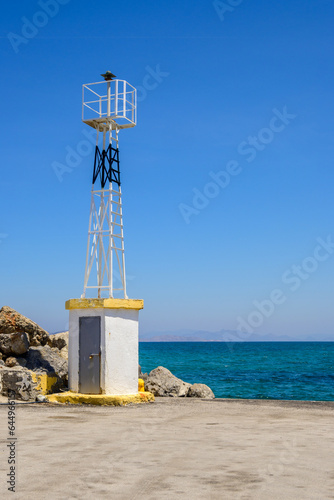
247, 91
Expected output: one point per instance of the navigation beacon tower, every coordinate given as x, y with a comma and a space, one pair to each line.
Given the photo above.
103, 330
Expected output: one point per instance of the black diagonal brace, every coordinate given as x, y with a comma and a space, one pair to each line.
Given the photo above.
106, 166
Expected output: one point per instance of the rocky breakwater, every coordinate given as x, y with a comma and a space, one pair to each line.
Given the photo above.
31, 362
161, 382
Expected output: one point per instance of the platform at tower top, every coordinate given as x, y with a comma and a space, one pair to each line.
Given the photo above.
109, 104
135, 304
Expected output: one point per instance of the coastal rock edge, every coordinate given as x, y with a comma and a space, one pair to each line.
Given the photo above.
161, 382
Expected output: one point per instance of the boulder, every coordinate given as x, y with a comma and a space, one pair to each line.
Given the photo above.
28, 377
59, 340
10, 362
12, 322
64, 353
200, 391
22, 362
46, 359
14, 343
161, 382
18, 381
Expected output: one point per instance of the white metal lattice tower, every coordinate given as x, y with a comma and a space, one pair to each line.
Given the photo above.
108, 107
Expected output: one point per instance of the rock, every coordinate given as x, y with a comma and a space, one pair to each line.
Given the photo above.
200, 391
14, 343
59, 340
39, 370
41, 399
48, 373
142, 375
64, 353
161, 382
46, 359
12, 322
10, 362
17, 381
22, 362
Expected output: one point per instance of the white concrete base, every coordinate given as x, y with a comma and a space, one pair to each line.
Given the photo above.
119, 345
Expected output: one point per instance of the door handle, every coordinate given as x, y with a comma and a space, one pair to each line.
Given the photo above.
91, 356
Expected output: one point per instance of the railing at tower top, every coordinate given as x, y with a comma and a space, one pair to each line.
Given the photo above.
108, 102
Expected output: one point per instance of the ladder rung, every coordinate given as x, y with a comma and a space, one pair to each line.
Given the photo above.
105, 232
98, 286
107, 191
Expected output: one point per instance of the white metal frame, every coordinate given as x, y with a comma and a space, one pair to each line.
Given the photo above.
110, 110
108, 102
105, 246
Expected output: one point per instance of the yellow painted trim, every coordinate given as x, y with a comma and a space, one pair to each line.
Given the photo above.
44, 382
100, 399
104, 304
141, 385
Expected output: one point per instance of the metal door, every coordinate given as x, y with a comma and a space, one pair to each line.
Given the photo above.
89, 354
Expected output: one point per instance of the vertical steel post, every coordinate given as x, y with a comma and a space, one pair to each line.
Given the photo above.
108, 98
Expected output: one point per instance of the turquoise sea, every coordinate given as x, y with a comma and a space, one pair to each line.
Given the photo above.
256, 370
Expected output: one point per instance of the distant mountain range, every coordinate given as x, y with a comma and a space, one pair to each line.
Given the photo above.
226, 336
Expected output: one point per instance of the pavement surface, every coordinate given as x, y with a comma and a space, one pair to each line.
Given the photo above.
172, 449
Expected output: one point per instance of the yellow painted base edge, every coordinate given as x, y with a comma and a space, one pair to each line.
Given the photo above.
136, 304
100, 399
